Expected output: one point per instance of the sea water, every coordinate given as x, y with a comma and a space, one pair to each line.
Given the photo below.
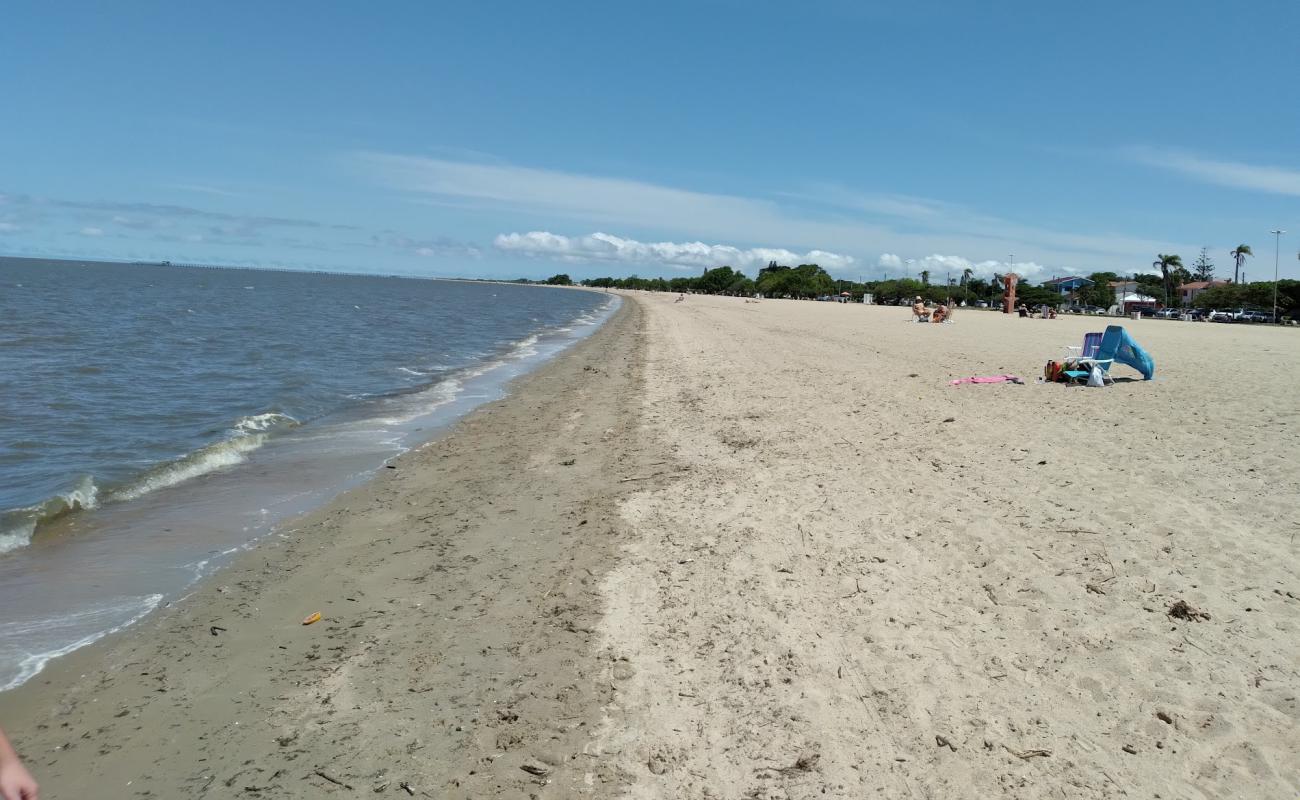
156, 420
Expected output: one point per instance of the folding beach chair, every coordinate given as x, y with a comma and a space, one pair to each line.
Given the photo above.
1090, 356
1091, 344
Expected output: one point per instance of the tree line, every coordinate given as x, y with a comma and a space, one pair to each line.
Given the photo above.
811, 281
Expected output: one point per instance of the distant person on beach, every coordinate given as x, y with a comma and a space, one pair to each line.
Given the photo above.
940, 314
918, 310
1023, 310
16, 782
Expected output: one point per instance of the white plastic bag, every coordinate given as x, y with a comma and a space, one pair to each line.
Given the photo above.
1095, 378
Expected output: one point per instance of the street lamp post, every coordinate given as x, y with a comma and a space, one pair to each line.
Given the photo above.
1277, 246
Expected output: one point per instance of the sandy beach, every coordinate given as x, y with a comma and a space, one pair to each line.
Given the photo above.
727, 549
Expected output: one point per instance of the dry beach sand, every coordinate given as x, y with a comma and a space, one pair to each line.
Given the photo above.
754, 550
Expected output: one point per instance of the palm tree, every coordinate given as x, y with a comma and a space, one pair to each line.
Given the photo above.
1239, 255
965, 284
925, 277
1166, 263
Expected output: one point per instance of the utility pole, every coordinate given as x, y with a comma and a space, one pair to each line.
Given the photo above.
1277, 246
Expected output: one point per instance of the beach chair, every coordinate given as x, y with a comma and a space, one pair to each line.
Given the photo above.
1091, 344
1080, 366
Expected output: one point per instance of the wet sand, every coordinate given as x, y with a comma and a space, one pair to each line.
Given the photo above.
726, 549
459, 600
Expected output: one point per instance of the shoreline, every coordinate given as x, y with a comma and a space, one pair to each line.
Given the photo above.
727, 549
225, 688
220, 511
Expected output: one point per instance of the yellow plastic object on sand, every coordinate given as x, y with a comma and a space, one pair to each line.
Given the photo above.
313, 618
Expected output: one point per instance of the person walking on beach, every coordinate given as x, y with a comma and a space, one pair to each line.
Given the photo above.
16, 782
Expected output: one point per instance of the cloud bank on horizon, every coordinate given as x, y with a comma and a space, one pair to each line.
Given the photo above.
607, 248
954, 266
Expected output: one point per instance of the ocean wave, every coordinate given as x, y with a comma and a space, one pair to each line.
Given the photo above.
524, 347
18, 526
248, 434
262, 423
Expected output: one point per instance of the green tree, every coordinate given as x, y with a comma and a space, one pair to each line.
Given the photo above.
1100, 293
1149, 285
1167, 264
979, 289
1203, 266
559, 280
1034, 296
716, 281
805, 280
1239, 258
925, 277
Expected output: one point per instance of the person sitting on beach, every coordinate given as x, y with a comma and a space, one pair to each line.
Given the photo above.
1023, 310
940, 314
16, 783
919, 312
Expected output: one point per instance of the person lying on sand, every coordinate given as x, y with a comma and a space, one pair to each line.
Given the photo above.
16, 782
940, 313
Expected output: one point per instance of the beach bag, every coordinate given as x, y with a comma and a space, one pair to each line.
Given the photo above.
1095, 378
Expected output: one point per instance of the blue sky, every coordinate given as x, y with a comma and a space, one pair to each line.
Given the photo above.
524, 139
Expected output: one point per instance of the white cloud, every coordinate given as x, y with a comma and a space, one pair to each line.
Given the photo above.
684, 255
831, 217
1275, 180
88, 231
940, 266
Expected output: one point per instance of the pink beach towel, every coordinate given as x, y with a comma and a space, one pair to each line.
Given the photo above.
986, 379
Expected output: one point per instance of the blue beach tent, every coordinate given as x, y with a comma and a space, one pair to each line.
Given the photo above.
1117, 344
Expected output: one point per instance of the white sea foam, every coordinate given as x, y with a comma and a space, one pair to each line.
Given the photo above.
17, 536
71, 632
524, 348
259, 423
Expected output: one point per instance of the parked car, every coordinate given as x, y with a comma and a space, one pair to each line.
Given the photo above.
1091, 310
1148, 311
1194, 314
1217, 315
1250, 315
1169, 313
